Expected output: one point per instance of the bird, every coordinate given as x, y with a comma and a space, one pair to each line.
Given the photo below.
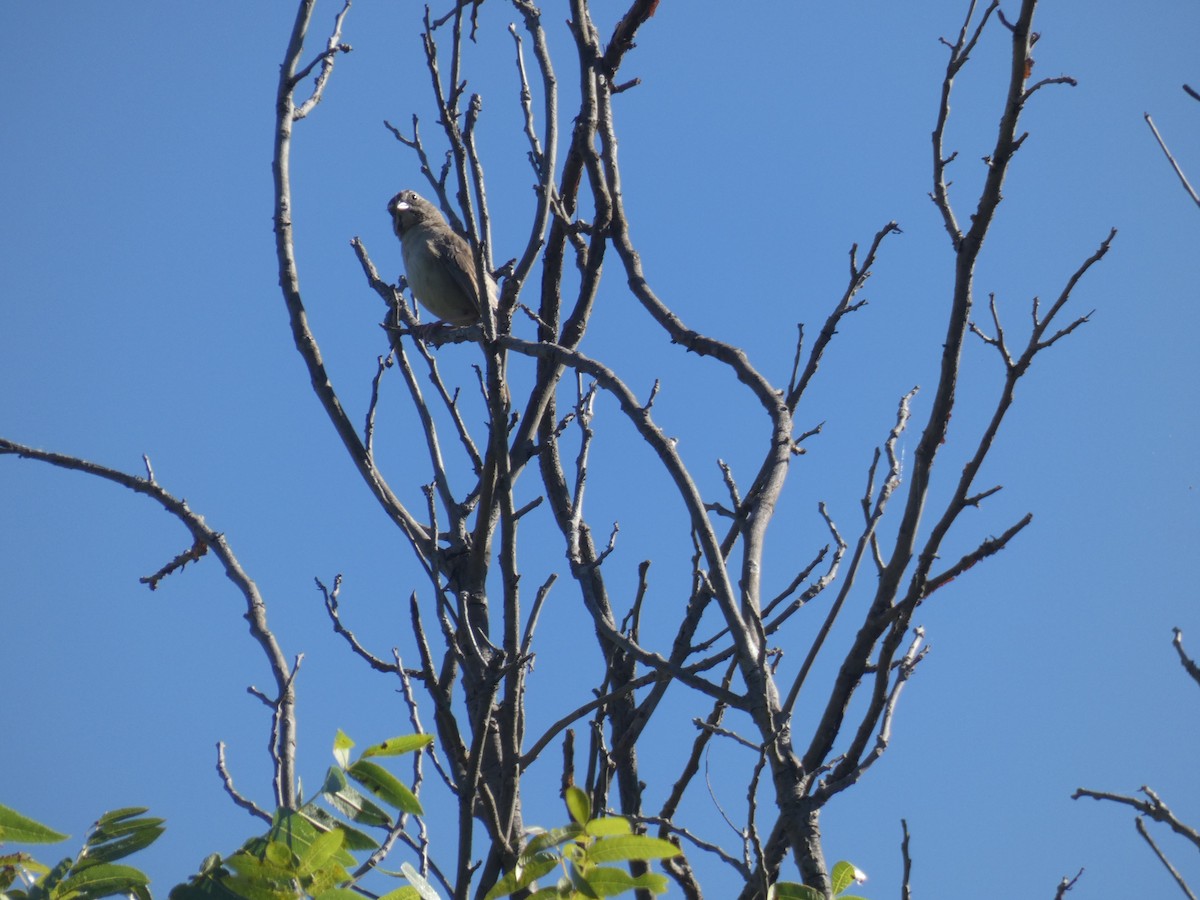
438, 262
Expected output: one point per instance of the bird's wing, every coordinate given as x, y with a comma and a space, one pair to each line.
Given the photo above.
459, 263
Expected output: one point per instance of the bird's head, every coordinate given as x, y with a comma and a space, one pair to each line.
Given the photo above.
408, 208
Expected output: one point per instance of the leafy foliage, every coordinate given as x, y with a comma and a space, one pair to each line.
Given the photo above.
580, 849
843, 876
93, 873
307, 852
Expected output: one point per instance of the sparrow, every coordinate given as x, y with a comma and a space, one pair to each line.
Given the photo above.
438, 262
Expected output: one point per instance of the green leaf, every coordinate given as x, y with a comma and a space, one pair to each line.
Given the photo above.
398, 745
580, 883
347, 800
341, 748
10, 862
631, 846
608, 825
608, 882
651, 881
578, 805
408, 892
252, 887
117, 815
424, 889
300, 828
354, 805
320, 851
103, 881
386, 786
325, 879
143, 833
843, 875
19, 829
355, 839
529, 869
210, 863
789, 890
335, 780
280, 854
106, 831
338, 893
48, 884
553, 838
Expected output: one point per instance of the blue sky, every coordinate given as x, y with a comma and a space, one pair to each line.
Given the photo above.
140, 313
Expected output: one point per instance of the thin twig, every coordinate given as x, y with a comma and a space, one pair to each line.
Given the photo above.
1066, 884
227, 780
1187, 186
1162, 857
1189, 664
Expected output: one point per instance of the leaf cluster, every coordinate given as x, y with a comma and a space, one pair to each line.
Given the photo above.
93, 873
582, 849
844, 875
307, 852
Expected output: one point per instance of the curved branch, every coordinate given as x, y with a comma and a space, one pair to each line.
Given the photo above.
289, 282
1153, 808
283, 745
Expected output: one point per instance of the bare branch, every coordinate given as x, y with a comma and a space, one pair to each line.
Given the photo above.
844, 776
543, 156
192, 554
325, 60
1162, 857
591, 706
227, 780
989, 547
414, 717
960, 53
384, 363
1187, 186
801, 577
725, 732
283, 744
1066, 884
666, 826
858, 278
539, 600
289, 281
331, 607
1061, 79
1153, 808
891, 482
1189, 664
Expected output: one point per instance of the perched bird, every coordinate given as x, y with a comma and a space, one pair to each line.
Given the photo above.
438, 263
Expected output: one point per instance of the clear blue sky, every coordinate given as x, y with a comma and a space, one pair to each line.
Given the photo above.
139, 313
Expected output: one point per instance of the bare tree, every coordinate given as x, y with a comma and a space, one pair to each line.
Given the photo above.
473, 623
